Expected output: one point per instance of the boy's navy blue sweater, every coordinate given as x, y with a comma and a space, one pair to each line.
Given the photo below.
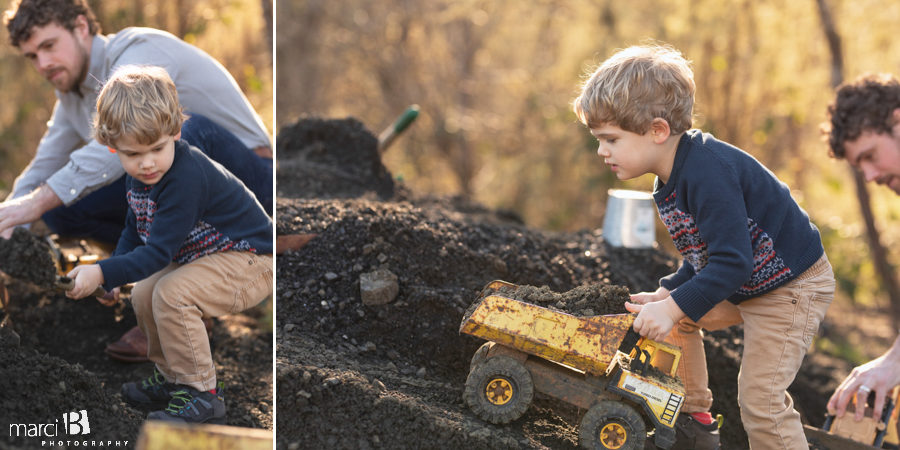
197, 208
736, 225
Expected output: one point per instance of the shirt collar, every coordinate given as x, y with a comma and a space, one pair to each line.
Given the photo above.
97, 70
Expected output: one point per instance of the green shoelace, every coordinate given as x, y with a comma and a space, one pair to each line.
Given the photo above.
179, 400
154, 380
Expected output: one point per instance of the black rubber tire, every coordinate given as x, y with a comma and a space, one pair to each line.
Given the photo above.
610, 425
512, 385
480, 355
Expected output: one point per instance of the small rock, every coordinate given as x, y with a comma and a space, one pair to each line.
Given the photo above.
382, 258
421, 373
294, 446
289, 328
307, 376
331, 381
62, 385
393, 354
379, 385
331, 276
379, 287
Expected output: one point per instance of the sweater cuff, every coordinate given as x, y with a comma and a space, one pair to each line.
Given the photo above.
691, 301
669, 283
111, 274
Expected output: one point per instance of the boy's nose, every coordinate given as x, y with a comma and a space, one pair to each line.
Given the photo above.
601, 152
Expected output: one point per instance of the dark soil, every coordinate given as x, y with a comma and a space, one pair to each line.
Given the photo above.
307, 164
58, 366
590, 300
391, 376
28, 258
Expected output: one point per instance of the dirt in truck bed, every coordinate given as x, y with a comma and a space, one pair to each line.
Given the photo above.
357, 375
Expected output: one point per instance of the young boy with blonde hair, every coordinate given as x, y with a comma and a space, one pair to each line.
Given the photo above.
196, 240
742, 237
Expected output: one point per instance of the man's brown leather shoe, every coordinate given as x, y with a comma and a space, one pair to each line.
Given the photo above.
131, 347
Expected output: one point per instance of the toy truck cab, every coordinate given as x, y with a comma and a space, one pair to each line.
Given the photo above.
625, 383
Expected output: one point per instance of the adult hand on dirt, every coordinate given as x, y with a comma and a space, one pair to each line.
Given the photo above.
879, 375
642, 298
26, 209
87, 278
655, 319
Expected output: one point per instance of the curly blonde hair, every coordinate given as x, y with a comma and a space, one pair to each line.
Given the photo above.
637, 85
140, 102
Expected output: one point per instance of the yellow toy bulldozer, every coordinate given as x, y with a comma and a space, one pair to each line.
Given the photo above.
626, 383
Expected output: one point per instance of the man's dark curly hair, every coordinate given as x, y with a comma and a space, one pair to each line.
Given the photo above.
865, 104
23, 15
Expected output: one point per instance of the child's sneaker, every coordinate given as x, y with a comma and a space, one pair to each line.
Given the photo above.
192, 406
154, 391
692, 433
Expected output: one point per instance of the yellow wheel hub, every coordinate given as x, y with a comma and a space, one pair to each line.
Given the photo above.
499, 391
613, 435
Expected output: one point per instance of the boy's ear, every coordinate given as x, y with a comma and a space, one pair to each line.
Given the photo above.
178, 136
659, 130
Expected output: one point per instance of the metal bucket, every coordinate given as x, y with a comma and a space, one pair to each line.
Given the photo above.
630, 219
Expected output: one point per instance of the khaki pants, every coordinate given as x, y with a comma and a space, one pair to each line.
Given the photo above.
170, 306
778, 330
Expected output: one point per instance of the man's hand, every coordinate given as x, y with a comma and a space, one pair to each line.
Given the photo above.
655, 319
87, 278
26, 209
642, 298
879, 375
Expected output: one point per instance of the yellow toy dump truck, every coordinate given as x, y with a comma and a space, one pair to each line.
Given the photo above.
873, 431
597, 363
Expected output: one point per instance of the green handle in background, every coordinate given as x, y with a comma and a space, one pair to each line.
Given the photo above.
408, 117
387, 136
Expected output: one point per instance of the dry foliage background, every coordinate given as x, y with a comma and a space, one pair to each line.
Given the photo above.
495, 80
236, 32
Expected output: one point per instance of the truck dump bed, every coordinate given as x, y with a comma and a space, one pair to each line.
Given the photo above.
585, 343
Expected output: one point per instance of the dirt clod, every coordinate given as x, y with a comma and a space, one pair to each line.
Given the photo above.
27, 257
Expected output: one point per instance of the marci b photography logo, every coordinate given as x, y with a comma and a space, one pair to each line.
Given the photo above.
69, 431
73, 423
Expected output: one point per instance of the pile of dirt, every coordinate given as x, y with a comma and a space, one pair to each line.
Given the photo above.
306, 162
57, 365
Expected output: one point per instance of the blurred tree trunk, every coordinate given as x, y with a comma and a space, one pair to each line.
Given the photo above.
879, 254
269, 30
